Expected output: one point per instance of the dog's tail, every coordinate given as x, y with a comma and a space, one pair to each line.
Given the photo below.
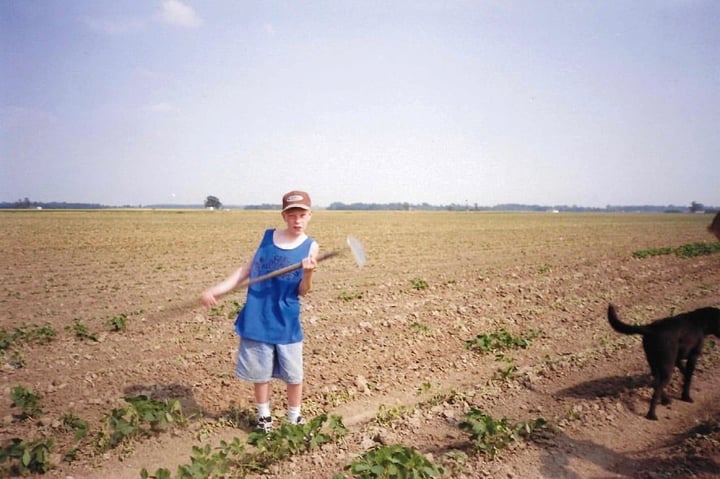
621, 327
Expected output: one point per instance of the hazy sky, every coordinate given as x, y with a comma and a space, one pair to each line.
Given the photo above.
481, 102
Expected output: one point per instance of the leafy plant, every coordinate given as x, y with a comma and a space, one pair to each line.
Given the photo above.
81, 331
419, 284
26, 457
346, 296
5, 339
26, 334
72, 422
118, 323
393, 461
501, 340
490, 435
235, 308
291, 439
205, 462
233, 460
508, 371
27, 400
142, 416
35, 334
423, 328
386, 415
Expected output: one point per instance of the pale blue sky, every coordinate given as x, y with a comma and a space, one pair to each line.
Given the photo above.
486, 102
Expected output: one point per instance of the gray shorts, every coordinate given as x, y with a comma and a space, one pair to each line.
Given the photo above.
260, 362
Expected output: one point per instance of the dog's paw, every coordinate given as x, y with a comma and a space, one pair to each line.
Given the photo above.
687, 399
665, 401
651, 416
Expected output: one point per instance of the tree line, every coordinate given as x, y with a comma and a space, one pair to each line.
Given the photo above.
213, 202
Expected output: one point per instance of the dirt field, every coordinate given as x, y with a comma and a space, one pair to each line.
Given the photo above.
385, 345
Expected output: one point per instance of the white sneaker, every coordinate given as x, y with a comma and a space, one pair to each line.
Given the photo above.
264, 424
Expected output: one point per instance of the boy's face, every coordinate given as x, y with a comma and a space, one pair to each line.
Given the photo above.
297, 219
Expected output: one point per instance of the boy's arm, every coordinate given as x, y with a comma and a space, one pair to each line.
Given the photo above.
308, 265
210, 296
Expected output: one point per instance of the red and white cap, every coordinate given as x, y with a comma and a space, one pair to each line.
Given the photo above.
296, 199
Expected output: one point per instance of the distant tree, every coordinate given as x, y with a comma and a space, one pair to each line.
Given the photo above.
213, 202
24, 203
695, 207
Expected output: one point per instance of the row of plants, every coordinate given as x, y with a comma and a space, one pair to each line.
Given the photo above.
488, 436
141, 417
687, 250
28, 334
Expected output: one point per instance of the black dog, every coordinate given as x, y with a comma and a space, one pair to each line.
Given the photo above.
669, 341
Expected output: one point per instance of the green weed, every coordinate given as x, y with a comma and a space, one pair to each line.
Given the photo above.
27, 400
290, 439
392, 461
489, 435
205, 462
81, 331
25, 334
142, 417
501, 340
24, 458
422, 328
419, 284
233, 460
350, 296
506, 372
387, 415
235, 307
74, 423
118, 323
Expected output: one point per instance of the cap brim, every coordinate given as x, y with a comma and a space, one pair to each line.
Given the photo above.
302, 207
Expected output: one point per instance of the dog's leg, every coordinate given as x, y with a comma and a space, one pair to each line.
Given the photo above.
657, 392
662, 373
687, 375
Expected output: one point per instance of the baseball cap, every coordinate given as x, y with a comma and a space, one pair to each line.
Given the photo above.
296, 199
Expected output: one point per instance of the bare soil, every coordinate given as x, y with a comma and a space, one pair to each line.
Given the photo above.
382, 351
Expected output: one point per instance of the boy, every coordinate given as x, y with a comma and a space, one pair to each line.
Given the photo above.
271, 335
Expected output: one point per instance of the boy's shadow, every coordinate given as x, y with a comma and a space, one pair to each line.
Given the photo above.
244, 418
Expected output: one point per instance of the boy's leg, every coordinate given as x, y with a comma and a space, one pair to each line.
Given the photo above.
255, 363
294, 394
262, 403
294, 398
262, 392
290, 370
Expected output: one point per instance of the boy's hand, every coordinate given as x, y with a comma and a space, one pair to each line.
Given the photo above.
309, 263
208, 299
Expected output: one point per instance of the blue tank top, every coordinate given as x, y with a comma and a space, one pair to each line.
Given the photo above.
271, 313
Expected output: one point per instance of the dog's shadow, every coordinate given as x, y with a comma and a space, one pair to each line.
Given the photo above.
613, 386
620, 388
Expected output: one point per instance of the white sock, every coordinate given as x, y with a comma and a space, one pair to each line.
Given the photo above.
263, 409
293, 413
